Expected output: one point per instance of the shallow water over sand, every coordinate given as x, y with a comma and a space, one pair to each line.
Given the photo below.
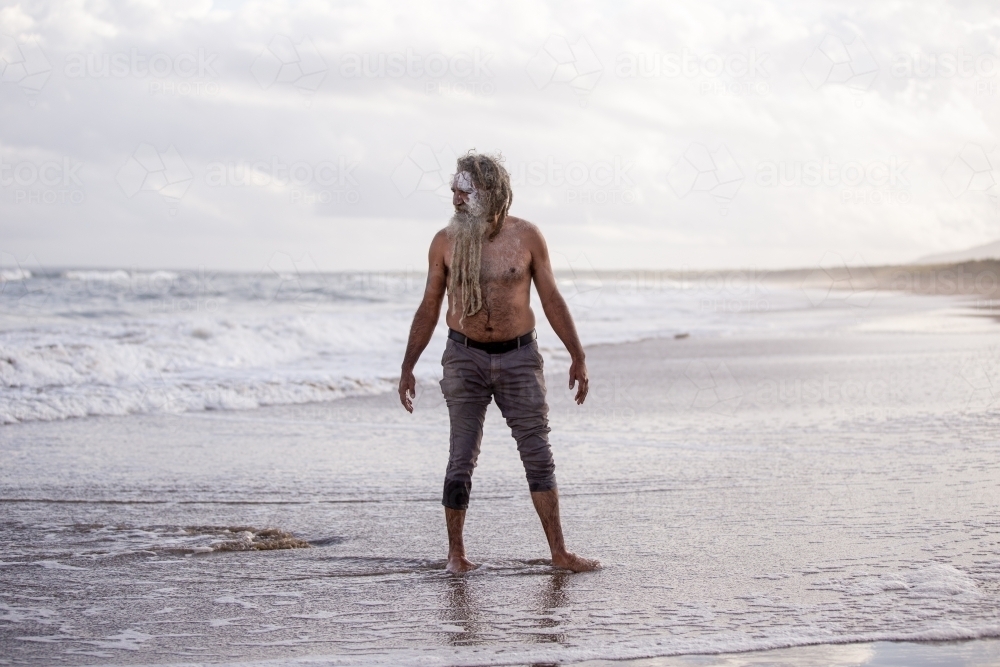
743, 493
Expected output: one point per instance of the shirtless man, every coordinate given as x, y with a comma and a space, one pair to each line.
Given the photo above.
486, 260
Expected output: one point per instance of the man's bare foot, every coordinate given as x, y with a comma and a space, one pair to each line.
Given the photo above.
460, 565
570, 561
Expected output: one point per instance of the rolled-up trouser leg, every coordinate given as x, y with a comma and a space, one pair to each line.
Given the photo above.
519, 391
466, 390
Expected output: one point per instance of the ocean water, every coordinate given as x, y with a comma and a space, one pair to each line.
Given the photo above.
240, 486
78, 343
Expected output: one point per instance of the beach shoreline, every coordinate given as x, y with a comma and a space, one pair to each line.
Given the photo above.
779, 487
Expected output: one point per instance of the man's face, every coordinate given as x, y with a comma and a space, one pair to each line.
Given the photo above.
458, 198
461, 190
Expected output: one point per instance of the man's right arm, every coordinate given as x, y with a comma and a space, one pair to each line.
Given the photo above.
426, 317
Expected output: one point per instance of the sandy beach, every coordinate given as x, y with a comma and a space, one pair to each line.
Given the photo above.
746, 492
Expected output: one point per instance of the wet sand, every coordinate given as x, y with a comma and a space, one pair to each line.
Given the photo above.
878, 654
744, 494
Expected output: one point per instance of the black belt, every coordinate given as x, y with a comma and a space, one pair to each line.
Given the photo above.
493, 348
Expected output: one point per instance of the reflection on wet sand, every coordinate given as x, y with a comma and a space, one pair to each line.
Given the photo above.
551, 598
461, 612
468, 622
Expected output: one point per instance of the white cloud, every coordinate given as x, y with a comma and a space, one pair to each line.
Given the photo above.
218, 82
13, 19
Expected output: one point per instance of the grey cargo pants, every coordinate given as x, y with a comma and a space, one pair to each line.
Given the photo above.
515, 381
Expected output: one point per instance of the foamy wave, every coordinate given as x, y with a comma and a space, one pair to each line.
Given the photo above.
13, 275
156, 395
118, 275
932, 581
189, 364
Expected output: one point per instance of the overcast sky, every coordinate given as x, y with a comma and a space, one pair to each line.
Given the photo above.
639, 134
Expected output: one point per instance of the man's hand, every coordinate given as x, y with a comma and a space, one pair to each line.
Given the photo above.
408, 389
578, 373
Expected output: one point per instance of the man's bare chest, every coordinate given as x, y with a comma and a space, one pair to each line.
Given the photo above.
504, 265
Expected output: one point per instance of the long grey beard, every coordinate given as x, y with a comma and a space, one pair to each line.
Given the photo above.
467, 228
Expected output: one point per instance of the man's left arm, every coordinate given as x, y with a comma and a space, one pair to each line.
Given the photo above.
557, 312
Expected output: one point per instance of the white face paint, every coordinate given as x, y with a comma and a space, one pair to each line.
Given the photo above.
462, 181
